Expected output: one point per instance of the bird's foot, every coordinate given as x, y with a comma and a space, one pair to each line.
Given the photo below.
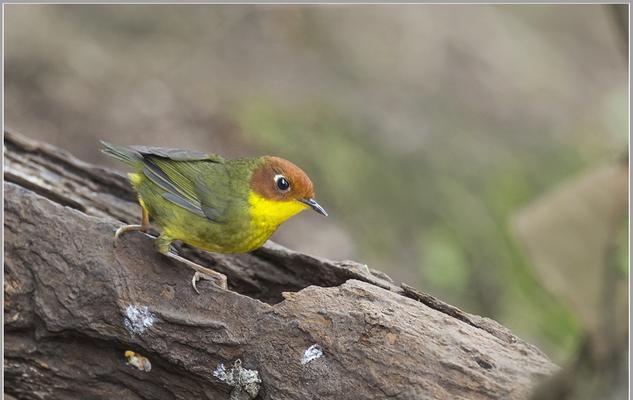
201, 272
143, 227
127, 228
217, 278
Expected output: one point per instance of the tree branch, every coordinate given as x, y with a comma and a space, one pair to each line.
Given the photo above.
74, 304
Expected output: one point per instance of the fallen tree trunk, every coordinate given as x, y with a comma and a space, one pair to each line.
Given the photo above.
301, 327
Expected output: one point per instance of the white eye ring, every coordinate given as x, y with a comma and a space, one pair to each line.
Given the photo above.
282, 183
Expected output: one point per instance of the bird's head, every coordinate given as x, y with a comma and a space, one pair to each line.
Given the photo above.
284, 186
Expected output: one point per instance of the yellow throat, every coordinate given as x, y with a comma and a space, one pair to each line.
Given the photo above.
269, 214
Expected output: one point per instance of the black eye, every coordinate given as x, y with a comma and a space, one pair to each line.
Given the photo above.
282, 183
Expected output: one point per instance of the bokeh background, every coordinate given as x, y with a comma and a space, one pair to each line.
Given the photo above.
430, 131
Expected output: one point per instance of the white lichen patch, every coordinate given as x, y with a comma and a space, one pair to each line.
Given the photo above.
138, 319
312, 353
245, 382
138, 361
220, 372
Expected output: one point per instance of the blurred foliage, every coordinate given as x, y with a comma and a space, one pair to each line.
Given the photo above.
573, 236
424, 127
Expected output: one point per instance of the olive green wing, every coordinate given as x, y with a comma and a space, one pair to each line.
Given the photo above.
195, 181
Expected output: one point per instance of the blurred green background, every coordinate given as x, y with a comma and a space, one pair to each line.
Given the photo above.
425, 128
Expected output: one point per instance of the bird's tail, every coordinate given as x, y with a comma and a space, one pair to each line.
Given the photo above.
121, 153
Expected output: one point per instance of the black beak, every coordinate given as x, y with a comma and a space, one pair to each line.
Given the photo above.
315, 206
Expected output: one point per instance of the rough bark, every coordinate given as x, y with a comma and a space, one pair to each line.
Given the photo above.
74, 304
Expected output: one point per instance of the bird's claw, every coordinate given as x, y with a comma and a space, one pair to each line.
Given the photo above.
118, 233
127, 228
219, 280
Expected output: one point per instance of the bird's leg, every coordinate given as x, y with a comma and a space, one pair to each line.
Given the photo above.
163, 243
143, 227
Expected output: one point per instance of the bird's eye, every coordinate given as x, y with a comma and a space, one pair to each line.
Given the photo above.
282, 183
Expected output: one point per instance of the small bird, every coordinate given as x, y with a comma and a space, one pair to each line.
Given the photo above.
223, 206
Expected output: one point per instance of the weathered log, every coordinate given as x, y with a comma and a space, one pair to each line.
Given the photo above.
310, 328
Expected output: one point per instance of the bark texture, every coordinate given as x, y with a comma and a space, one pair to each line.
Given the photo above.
301, 327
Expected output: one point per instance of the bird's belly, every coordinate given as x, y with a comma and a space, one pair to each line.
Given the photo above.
229, 240
219, 238
234, 237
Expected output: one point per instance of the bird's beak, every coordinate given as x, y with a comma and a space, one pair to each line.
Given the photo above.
315, 206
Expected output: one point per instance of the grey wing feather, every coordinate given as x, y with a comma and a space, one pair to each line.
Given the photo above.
177, 154
187, 205
212, 213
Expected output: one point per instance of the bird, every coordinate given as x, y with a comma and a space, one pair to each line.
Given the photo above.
212, 203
